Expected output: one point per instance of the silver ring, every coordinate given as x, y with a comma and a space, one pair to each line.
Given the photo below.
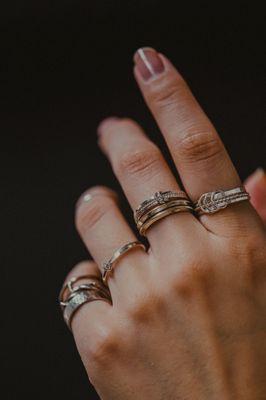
212, 202
77, 299
159, 198
108, 266
72, 298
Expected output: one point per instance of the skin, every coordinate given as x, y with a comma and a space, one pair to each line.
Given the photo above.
188, 318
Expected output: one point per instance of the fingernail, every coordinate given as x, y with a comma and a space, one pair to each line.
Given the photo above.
84, 198
89, 194
105, 124
148, 63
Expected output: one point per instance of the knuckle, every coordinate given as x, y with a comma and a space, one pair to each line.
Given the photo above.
140, 162
147, 307
192, 278
90, 214
105, 346
199, 146
167, 92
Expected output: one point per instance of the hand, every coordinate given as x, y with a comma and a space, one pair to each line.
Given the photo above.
188, 318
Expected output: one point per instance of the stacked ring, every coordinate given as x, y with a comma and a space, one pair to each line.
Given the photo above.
159, 206
76, 296
212, 202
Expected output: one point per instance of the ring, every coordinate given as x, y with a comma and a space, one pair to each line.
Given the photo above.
109, 265
81, 294
69, 285
159, 206
212, 202
158, 198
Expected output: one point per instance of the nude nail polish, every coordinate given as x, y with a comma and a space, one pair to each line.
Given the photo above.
148, 63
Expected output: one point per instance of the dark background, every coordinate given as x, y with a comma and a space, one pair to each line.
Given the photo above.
64, 66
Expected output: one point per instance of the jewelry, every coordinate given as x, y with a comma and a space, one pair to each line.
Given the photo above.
150, 213
159, 206
212, 202
157, 199
108, 266
159, 214
79, 295
96, 281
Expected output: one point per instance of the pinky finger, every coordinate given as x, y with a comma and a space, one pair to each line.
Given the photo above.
91, 319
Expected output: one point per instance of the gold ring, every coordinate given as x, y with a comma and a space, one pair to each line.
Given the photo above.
108, 266
159, 206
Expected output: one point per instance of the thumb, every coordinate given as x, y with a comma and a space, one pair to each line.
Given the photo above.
255, 184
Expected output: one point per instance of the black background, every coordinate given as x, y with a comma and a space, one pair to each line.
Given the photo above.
64, 66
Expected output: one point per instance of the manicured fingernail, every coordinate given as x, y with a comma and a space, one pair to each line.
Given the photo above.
148, 63
105, 124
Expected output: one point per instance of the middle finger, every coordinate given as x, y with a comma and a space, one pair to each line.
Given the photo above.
141, 170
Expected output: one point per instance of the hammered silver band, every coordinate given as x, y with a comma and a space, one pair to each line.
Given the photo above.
212, 202
81, 294
109, 265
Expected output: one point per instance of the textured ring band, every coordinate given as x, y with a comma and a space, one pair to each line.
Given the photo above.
158, 198
160, 205
71, 297
161, 214
212, 202
80, 297
108, 266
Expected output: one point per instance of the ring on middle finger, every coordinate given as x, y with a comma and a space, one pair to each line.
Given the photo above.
159, 206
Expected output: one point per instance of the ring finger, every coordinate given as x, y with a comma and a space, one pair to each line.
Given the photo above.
103, 229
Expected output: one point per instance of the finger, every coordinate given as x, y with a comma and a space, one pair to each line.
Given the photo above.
141, 170
256, 186
91, 318
103, 229
199, 155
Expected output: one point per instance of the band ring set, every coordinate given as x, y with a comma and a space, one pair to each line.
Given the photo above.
160, 205
76, 296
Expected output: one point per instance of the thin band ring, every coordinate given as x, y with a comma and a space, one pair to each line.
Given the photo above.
162, 214
159, 198
160, 205
155, 210
69, 284
108, 266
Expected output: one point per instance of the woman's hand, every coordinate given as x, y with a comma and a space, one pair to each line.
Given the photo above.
188, 318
